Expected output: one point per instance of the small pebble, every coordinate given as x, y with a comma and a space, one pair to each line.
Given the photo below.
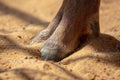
26, 57
19, 37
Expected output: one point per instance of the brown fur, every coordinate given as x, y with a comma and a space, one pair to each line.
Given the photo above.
75, 19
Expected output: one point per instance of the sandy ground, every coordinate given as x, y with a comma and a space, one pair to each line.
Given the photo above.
21, 20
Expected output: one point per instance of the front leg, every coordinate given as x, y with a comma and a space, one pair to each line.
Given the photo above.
80, 18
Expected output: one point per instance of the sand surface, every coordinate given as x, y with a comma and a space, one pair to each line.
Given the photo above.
21, 20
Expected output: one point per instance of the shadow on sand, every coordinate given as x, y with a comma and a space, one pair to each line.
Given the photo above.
31, 74
6, 43
5, 9
105, 44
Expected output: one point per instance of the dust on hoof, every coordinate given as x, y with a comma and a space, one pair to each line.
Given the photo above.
43, 35
50, 54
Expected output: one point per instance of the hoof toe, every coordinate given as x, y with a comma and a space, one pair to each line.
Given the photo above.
49, 54
43, 35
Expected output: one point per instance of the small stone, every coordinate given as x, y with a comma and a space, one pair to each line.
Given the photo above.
31, 57
26, 57
46, 67
9, 67
70, 70
19, 36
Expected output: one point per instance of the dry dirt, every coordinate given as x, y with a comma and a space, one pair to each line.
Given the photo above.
21, 20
